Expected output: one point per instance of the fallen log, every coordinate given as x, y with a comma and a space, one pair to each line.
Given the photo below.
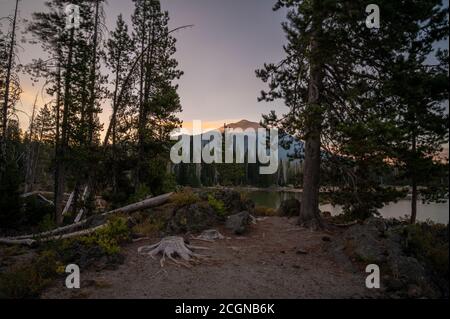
145, 204
68, 204
63, 232
32, 242
49, 202
53, 232
25, 242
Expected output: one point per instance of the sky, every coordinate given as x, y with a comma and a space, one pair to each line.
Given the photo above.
219, 55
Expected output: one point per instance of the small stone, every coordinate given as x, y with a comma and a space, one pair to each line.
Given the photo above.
326, 239
302, 252
238, 223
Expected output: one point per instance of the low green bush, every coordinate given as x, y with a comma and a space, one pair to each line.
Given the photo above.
29, 280
429, 243
110, 237
185, 197
217, 205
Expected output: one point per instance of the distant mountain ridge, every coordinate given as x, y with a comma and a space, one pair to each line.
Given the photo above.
243, 125
296, 147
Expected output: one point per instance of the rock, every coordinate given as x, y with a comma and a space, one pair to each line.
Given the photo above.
408, 269
290, 208
326, 215
192, 218
326, 239
379, 223
238, 223
301, 252
232, 200
211, 234
365, 244
248, 205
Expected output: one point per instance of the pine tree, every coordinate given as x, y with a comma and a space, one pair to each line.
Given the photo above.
422, 123
72, 72
158, 101
8, 74
119, 53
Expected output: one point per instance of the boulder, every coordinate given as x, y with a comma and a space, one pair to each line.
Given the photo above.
380, 242
192, 218
365, 244
238, 223
233, 201
290, 208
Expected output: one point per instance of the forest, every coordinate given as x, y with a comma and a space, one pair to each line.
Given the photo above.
364, 124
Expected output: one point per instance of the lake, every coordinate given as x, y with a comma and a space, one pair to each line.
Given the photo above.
438, 213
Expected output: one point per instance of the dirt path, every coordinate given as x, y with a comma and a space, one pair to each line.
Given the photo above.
265, 264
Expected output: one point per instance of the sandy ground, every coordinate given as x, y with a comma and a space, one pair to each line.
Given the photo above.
266, 264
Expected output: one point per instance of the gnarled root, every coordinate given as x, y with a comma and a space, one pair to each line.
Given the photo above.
210, 236
172, 247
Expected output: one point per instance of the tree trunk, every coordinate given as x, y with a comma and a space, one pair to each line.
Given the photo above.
414, 182
93, 75
57, 138
309, 215
414, 201
31, 154
8, 76
60, 160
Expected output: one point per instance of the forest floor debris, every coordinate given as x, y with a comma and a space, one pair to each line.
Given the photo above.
252, 268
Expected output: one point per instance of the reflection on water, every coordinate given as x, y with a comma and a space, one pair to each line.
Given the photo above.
436, 212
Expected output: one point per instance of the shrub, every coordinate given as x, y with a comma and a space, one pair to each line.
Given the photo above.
28, 281
47, 223
11, 214
149, 227
142, 192
217, 205
36, 211
430, 243
110, 237
185, 198
265, 211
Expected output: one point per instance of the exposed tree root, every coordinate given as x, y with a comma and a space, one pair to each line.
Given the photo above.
210, 235
172, 247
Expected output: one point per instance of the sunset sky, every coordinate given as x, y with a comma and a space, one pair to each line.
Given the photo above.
219, 55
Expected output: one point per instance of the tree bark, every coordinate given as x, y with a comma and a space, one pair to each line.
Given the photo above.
8, 76
309, 215
60, 160
414, 182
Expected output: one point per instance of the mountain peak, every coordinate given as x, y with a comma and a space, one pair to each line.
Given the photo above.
243, 125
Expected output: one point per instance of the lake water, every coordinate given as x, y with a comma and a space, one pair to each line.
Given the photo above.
436, 212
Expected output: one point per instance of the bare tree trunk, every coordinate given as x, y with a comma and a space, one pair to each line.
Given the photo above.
90, 179
414, 183
57, 141
93, 73
414, 201
31, 154
309, 215
60, 160
8, 76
